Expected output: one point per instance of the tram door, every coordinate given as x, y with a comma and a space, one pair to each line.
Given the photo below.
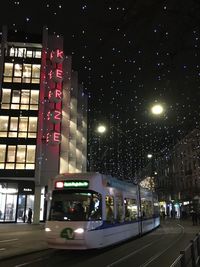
24, 203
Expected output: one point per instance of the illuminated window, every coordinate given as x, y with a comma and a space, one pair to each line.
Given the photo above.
25, 97
32, 127
21, 154
18, 70
21, 52
20, 99
11, 153
38, 54
23, 126
17, 157
2, 156
6, 93
29, 53
26, 73
13, 127
30, 153
3, 126
15, 99
8, 72
35, 73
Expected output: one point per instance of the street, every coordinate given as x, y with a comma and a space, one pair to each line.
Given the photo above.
158, 248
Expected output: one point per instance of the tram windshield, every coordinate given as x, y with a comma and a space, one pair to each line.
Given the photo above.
73, 205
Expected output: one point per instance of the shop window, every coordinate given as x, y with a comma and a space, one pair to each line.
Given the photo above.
8, 201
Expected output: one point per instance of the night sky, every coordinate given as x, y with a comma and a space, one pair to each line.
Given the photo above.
129, 54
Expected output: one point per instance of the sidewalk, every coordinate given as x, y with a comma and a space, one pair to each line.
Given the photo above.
17, 239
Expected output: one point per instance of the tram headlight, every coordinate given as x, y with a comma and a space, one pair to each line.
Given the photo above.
47, 229
79, 231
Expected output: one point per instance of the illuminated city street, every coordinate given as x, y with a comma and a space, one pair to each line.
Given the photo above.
161, 246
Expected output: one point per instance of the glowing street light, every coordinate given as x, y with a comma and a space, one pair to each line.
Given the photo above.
101, 129
149, 156
157, 109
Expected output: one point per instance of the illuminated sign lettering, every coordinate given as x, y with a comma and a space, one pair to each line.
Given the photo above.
55, 116
57, 56
76, 184
53, 138
55, 95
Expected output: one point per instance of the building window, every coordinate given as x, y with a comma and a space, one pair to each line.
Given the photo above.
22, 127
20, 99
17, 157
24, 52
25, 73
3, 126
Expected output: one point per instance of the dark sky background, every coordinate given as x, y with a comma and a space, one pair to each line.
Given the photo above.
129, 54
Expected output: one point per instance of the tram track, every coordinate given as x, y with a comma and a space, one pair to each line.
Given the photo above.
155, 249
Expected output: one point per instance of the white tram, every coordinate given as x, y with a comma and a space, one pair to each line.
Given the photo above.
92, 210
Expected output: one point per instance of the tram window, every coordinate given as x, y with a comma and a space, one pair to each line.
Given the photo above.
75, 206
146, 208
109, 209
156, 208
119, 209
131, 210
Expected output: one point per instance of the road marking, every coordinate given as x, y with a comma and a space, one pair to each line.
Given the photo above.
163, 251
29, 262
131, 254
9, 240
2, 249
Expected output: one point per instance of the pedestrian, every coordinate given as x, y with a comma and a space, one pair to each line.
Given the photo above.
30, 213
194, 217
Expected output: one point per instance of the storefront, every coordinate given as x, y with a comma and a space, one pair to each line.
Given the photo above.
16, 197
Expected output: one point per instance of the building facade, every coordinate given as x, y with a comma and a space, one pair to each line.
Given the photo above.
43, 121
177, 179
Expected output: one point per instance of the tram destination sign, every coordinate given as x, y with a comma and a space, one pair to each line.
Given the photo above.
72, 184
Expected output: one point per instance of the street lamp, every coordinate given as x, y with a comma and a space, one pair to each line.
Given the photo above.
101, 129
157, 109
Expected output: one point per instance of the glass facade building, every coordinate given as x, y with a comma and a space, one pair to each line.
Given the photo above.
43, 121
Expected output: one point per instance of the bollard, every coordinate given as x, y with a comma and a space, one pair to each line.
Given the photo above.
193, 253
198, 249
183, 263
